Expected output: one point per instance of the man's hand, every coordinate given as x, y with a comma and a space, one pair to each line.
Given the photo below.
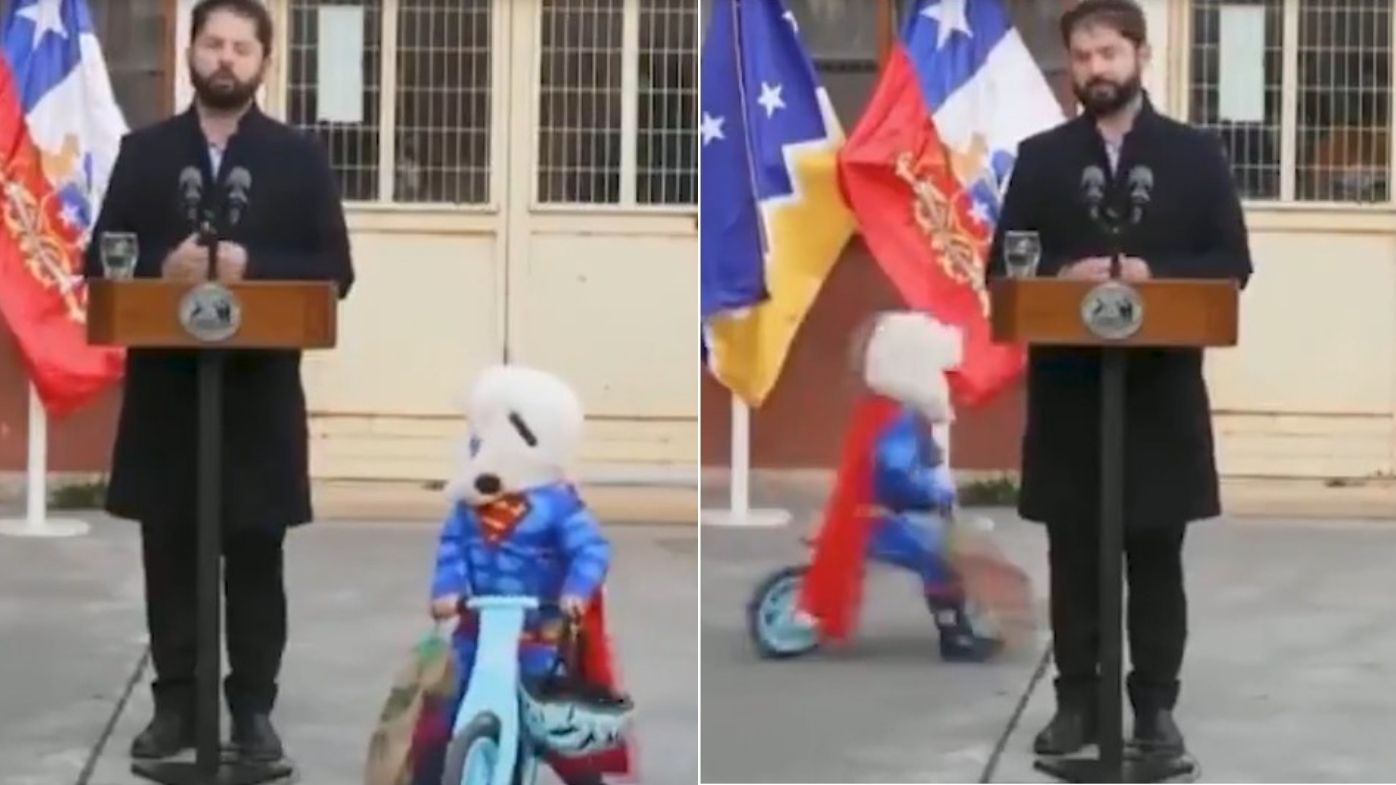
232, 262
446, 607
1133, 269
1095, 268
187, 262
573, 606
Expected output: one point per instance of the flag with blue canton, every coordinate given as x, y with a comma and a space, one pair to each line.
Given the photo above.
60, 129
772, 220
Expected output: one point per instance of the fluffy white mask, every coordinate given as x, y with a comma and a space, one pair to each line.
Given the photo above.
906, 358
525, 428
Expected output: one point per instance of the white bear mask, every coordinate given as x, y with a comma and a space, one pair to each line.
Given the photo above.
525, 428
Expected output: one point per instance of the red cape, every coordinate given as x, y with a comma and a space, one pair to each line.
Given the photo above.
597, 667
832, 589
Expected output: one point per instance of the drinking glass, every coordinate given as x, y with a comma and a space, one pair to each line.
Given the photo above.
119, 251
1021, 252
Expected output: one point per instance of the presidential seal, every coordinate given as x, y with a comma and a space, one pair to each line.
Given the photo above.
1112, 310
210, 312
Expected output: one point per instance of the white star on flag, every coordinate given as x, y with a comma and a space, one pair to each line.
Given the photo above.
770, 98
950, 17
47, 15
711, 128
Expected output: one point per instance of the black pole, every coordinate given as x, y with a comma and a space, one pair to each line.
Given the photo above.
210, 561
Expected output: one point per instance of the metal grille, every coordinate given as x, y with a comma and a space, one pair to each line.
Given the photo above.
579, 132
1325, 130
1344, 122
352, 146
1252, 144
667, 143
443, 101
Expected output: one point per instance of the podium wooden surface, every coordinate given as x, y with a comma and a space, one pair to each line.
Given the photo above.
1177, 312
156, 313
144, 313
1146, 314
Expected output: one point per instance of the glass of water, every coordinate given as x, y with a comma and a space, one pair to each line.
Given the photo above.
119, 252
1021, 252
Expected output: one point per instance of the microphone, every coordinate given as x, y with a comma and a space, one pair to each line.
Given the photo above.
191, 192
239, 183
1141, 190
1093, 189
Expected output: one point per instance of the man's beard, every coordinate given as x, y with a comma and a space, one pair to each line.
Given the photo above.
227, 94
1100, 102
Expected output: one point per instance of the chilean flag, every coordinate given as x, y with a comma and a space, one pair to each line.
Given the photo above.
925, 168
60, 129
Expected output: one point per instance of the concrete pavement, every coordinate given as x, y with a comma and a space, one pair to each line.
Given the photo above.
72, 643
1290, 674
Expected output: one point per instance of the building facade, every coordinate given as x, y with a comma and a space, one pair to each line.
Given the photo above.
521, 182
1300, 93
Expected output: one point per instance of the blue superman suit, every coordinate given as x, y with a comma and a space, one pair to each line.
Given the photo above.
543, 543
912, 488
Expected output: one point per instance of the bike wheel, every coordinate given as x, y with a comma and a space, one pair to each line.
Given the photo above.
473, 754
771, 620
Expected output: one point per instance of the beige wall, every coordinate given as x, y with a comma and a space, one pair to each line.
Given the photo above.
607, 298
1311, 389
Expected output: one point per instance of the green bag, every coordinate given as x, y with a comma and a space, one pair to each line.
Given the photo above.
413, 720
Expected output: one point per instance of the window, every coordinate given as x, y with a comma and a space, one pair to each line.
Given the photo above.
1331, 142
438, 105
587, 150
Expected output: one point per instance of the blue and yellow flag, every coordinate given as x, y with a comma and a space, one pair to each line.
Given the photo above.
772, 221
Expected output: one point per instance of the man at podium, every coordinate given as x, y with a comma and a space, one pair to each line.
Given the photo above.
220, 169
1172, 191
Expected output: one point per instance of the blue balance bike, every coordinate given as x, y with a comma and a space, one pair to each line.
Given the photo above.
503, 727
773, 622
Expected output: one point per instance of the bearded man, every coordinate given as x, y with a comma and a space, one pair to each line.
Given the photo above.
1193, 227
291, 227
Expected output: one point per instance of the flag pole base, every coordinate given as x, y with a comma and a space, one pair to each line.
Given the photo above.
48, 528
758, 518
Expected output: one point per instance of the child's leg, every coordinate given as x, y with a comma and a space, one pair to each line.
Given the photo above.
918, 546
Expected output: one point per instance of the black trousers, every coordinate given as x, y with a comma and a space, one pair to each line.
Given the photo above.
1156, 612
254, 606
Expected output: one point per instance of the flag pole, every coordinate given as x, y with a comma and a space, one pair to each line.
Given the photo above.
36, 522
740, 513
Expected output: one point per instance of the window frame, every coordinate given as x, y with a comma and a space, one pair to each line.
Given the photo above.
387, 110
1289, 115
629, 122
502, 62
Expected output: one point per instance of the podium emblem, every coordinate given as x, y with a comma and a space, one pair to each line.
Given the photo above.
210, 312
1112, 310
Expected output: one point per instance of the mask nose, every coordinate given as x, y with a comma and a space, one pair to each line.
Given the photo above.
488, 484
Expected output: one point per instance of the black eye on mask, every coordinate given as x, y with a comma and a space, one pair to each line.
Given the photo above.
522, 427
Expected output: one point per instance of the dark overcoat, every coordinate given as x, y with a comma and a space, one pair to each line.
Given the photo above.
293, 229
1193, 228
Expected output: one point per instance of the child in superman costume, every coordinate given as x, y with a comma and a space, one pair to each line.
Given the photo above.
517, 527
894, 495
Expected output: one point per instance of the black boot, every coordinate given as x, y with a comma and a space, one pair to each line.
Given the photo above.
1074, 724
1155, 731
169, 733
254, 737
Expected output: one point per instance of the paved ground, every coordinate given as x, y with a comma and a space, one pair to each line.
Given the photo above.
72, 640
1290, 674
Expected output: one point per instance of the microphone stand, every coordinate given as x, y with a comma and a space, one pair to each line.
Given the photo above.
209, 766
1112, 765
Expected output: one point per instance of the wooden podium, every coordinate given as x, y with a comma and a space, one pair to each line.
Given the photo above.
1116, 317
210, 318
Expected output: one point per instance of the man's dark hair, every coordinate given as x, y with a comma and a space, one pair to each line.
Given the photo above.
1123, 16
251, 10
